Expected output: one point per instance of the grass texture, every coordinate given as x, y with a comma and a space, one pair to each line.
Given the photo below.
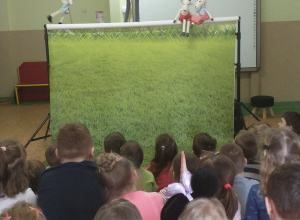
143, 83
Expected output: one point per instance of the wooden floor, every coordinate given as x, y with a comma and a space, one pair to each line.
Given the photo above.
21, 121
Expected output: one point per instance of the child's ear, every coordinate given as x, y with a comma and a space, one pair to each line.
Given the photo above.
245, 162
270, 206
135, 176
92, 152
56, 153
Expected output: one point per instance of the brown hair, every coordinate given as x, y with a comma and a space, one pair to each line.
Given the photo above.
248, 143
282, 147
118, 209
13, 168
113, 142
293, 119
23, 211
225, 170
283, 188
51, 156
204, 208
74, 140
235, 153
116, 173
35, 168
203, 142
132, 151
165, 151
192, 164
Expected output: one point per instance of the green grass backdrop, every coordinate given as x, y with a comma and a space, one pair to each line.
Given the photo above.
143, 82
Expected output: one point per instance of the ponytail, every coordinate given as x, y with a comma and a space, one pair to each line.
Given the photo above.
230, 202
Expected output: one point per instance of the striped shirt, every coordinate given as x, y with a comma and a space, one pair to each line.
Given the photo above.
251, 170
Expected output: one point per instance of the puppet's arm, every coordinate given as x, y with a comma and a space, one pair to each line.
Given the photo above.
209, 15
177, 16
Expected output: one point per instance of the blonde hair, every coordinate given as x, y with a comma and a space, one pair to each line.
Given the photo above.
23, 211
204, 209
281, 147
116, 173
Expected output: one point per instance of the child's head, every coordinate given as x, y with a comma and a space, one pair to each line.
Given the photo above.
50, 155
205, 183
133, 152
203, 142
165, 151
113, 142
192, 165
283, 192
23, 211
225, 170
281, 147
118, 209
204, 208
235, 153
35, 168
74, 140
13, 168
248, 142
290, 121
117, 174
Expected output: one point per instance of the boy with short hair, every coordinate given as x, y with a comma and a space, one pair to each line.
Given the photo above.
241, 185
283, 193
72, 190
133, 152
113, 142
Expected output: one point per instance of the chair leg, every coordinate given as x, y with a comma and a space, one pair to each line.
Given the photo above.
271, 111
17, 95
264, 113
254, 110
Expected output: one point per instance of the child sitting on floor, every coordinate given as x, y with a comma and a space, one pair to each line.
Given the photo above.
35, 169
14, 185
204, 145
113, 142
50, 155
291, 121
165, 151
133, 152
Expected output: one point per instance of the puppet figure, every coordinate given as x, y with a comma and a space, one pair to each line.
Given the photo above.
184, 16
201, 13
63, 10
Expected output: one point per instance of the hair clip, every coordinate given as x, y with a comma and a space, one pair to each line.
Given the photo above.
118, 159
163, 147
227, 186
35, 209
266, 147
3, 148
6, 218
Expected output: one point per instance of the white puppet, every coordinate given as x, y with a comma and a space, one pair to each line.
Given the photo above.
201, 13
63, 10
184, 16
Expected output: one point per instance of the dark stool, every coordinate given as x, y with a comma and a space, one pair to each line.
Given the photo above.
263, 102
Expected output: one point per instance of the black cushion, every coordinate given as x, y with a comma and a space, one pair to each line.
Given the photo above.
262, 101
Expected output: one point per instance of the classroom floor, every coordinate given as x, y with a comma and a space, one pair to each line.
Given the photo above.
21, 121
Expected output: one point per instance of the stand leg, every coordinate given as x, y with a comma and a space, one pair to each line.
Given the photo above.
264, 113
271, 111
37, 130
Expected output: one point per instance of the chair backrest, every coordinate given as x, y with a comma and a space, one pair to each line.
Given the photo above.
33, 73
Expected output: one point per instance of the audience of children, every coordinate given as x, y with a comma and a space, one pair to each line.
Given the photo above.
71, 190
204, 208
225, 170
113, 142
35, 169
119, 178
14, 184
165, 151
118, 209
116, 187
281, 147
283, 192
22, 211
241, 185
249, 145
50, 155
133, 152
204, 145
291, 121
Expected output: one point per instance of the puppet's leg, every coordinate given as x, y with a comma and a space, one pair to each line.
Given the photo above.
183, 27
49, 17
188, 28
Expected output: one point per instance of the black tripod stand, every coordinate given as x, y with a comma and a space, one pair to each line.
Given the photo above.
39, 128
239, 121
